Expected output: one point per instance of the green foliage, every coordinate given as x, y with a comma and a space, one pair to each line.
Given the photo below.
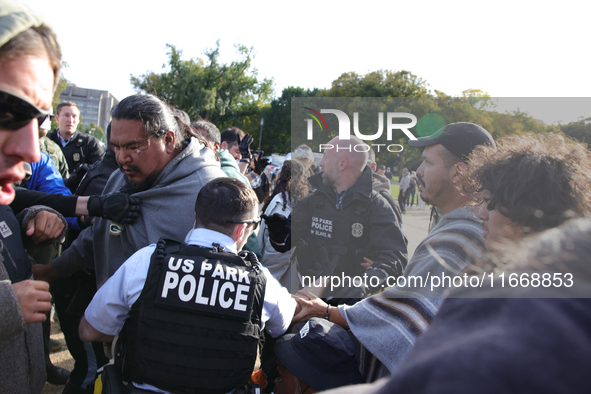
62, 84
92, 129
276, 131
581, 130
225, 94
381, 83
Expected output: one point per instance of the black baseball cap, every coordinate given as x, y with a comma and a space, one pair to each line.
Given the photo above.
382, 167
459, 138
321, 355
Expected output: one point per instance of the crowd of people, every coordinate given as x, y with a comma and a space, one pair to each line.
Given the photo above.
175, 266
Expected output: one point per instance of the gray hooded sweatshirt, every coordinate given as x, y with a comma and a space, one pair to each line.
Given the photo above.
168, 210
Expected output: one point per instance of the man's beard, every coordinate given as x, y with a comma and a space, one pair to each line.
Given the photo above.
439, 191
329, 179
135, 187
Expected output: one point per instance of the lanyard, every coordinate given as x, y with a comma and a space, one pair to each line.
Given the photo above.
339, 205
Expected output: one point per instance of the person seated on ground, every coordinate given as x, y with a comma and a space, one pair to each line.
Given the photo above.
516, 338
549, 186
221, 296
529, 184
321, 356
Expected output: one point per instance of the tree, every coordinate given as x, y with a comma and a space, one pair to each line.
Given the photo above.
580, 130
276, 131
61, 85
92, 129
225, 94
381, 83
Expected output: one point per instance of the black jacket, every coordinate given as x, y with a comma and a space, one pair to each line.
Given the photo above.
82, 148
365, 227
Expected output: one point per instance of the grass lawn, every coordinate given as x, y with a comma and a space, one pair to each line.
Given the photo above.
394, 190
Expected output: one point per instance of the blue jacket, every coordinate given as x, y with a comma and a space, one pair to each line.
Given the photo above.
46, 178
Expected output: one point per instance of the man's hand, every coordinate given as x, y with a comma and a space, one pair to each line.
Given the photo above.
366, 263
45, 273
244, 146
34, 299
118, 207
311, 306
260, 164
45, 225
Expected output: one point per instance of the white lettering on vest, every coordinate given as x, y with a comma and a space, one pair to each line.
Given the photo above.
214, 292
243, 275
188, 266
200, 299
219, 285
231, 274
192, 285
172, 266
226, 302
205, 266
241, 295
170, 282
218, 272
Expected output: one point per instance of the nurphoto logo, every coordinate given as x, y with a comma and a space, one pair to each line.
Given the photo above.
391, 119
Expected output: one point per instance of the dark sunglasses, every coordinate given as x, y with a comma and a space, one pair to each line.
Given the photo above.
251, 221
16, 112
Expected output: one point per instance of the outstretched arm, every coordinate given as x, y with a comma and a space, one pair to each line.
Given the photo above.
312, 306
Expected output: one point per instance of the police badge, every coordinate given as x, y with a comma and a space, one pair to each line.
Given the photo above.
76, 156
357, 230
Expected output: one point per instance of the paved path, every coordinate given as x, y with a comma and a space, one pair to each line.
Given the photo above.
416, 226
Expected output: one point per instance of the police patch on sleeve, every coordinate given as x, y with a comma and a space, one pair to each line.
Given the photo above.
357, 229
210, 286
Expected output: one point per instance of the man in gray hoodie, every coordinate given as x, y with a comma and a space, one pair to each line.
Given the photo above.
163, 164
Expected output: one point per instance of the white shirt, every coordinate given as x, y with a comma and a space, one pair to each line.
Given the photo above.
62, 140
405, 182
109, 309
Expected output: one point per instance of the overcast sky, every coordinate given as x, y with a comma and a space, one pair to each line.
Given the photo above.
508, 49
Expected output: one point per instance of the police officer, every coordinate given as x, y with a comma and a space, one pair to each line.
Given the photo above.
345, 230
190, 314
79, 148
52, 149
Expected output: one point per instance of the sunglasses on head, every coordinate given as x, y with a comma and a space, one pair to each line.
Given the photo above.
16, 112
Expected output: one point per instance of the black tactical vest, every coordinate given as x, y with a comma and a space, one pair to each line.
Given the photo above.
344, 233
196, 325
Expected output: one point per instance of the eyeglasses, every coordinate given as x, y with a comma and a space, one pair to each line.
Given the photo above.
16, 111
251, 221
135, 146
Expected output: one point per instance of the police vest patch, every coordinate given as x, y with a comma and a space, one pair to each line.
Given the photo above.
76, 156
210, 286
357, 230
5, 230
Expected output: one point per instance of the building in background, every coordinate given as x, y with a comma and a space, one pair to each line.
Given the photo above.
95, 105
